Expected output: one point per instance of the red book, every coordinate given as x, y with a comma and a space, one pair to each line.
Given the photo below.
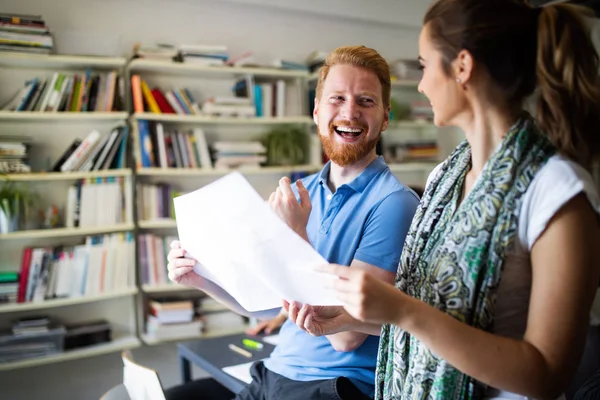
162, 102
24, 275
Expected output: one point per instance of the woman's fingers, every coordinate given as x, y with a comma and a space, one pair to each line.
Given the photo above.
176, 274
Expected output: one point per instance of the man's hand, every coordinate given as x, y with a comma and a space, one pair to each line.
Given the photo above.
318, 320
267, 326
284, 203
181, 268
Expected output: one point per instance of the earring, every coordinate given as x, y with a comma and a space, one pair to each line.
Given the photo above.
458, 80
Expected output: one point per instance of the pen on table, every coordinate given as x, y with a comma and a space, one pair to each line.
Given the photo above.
252, 344
241, 351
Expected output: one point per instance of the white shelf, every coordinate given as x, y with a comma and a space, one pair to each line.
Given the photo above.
66, 176
66, 232
201, 119
405, 83
116, 345
413, 167
65, 302
59, 62
168, 287
175, 68
398, 124
62, 116
163, 172
149, 340
157, 224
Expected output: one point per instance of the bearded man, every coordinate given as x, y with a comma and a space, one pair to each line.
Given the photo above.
353, 212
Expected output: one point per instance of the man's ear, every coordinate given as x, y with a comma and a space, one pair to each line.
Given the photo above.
386, 119
316, 111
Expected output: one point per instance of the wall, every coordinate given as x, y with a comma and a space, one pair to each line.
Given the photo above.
272, 29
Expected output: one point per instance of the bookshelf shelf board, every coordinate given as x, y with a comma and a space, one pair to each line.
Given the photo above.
174, 68
162, 172
116, 345
168, 287
66, 176
398, 124
409, 83
59, 62
66, 302
66, 232
157, 223
201, 119
62, 116
413, 167
149, 340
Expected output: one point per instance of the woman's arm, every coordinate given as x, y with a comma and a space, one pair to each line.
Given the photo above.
565, 265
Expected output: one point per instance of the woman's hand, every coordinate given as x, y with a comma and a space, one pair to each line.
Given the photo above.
318, 320
181, 268
365, 297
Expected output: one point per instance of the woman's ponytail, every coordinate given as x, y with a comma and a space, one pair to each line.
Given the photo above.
568, 109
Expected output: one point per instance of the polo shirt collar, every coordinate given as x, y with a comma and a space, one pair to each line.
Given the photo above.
361, 181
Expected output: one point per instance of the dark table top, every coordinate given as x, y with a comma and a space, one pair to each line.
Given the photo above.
214, 354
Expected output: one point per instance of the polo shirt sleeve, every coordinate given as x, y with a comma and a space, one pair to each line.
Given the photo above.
385, 230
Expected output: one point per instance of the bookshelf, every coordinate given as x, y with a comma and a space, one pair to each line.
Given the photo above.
47, 135
51, 132
151, 341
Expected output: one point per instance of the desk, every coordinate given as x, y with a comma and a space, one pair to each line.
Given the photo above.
214, 354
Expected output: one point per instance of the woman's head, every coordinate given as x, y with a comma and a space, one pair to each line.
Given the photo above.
502, 50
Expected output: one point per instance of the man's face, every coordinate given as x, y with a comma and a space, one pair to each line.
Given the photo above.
350, 114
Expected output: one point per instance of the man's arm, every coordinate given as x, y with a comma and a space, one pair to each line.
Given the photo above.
351, 340
379, 255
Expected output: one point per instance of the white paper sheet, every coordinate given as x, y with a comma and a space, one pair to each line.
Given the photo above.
240, 371
245, 248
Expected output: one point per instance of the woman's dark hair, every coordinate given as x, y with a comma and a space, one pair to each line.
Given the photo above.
523, 48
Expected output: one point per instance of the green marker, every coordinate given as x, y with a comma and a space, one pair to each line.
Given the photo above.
252, 344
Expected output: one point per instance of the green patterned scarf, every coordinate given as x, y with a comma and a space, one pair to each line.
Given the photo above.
452, 260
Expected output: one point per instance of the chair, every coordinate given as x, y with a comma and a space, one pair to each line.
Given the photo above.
118, 392
141, 383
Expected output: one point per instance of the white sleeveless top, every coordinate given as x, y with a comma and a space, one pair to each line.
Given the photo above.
558, 181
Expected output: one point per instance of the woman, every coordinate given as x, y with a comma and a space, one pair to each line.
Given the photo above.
500, 267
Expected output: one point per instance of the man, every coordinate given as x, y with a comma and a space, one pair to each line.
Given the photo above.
354, 212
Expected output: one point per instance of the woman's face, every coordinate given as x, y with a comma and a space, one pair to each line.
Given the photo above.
445, 94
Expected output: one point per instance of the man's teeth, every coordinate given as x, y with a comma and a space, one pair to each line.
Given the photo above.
348, 129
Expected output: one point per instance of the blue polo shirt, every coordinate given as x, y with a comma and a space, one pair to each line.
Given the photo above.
366, 219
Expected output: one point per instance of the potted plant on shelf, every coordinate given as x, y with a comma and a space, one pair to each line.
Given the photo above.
286, 145
16, 201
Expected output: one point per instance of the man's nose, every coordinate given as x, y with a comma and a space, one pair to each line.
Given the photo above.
350, 110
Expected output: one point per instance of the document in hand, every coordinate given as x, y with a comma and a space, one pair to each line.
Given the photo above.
246, 249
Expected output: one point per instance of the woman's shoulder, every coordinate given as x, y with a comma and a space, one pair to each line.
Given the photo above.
557, 182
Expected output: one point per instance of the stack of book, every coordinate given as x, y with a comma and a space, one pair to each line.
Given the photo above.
421, 111
239, 154
31, 337
9, 286
25, 33
13, 155
415, 150
172, 320
203, 55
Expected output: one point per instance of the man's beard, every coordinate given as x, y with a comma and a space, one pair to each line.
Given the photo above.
344, 154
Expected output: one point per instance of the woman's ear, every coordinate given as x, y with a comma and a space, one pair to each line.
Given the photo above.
462, 67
